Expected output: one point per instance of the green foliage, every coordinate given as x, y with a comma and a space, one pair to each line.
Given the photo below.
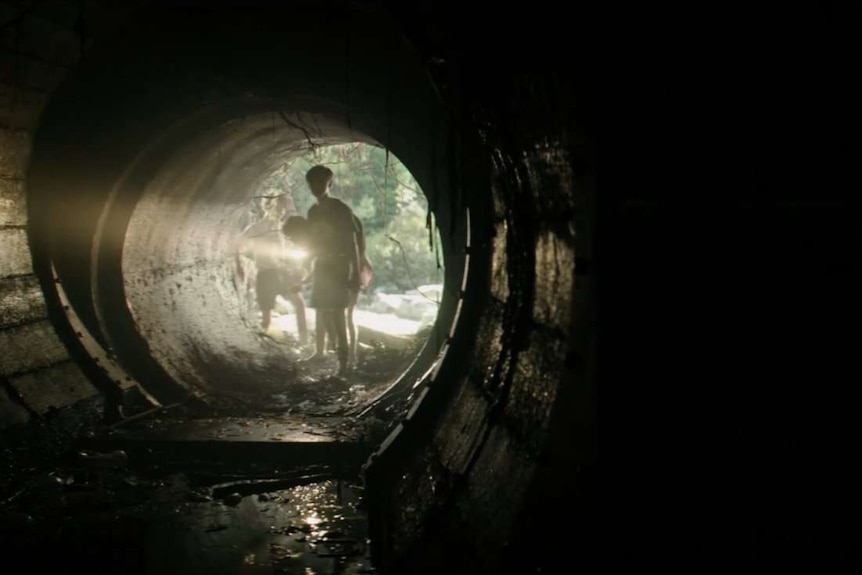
384, 195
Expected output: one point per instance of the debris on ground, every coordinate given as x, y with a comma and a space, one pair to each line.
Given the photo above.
106, 509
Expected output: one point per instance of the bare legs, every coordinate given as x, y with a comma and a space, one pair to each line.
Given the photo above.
341, 335
298, 303
320, 329
351, 336
301, 321
332, 335
329, 322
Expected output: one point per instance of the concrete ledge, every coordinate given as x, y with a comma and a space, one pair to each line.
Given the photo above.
15, 258
54, 387
13, 205
21, 301
29, 347
15, 148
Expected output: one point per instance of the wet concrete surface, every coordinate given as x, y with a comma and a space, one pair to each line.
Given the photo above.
167, 493
284, 427
242, 447
111, 521
266, 480
283, 379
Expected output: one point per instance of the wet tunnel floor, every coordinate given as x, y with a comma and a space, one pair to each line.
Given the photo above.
168, 493
267, 480
281, 379
118, 523
286, 428
162, 494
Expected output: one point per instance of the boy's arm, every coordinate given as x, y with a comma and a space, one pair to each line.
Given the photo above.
353, 280
362, 264
360, 235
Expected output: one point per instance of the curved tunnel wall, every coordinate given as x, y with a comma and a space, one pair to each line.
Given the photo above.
183, 131
39, 375
506, 416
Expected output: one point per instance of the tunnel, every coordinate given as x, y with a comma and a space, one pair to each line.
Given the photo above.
722, 241
133, 138
133, 135
157, 228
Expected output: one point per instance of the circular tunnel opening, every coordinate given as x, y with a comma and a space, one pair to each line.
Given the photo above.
204, 323
397, 305
160, 170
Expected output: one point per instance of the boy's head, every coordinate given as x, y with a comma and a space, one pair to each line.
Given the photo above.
318, 178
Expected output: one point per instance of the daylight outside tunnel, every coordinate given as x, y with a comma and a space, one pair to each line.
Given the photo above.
471, 399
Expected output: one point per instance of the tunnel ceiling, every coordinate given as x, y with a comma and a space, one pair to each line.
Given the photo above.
157, 142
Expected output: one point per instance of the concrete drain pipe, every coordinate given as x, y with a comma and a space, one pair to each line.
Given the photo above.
147, 150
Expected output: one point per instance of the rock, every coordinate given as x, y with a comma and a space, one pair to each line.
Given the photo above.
233, 499
196, 497
47, 482
112, 460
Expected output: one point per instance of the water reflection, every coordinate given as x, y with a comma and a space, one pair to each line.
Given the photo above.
142, 525
315, 528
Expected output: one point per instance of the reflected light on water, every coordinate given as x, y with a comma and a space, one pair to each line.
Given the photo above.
313, 519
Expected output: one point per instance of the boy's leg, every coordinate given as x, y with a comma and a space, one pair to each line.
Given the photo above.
298, 303
265, 295
341, 333
331, 336
319, 332
351, 335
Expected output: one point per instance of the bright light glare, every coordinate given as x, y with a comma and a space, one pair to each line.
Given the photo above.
313, 519
387, 323
297, 254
